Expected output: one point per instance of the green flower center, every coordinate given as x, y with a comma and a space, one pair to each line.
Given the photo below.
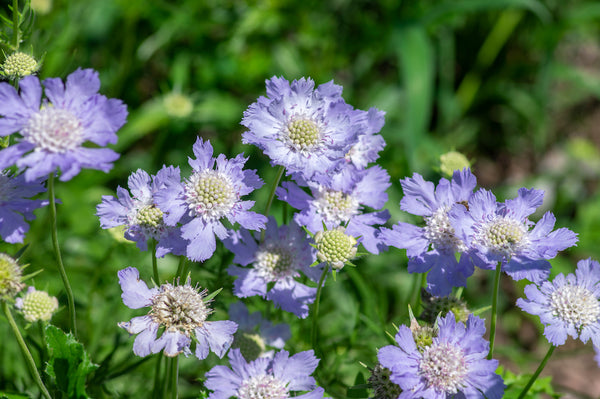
304, 134
150, 216
179, 308
54, 130
575, 305
19, 64
262, 387
210, 194
38, 305
335, 247
505, 236
10, 277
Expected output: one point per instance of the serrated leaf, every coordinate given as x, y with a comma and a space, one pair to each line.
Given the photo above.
69, 364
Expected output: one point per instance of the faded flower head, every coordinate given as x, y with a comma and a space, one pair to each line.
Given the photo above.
54, 132
335, 247
453, 364
383, 387
181, 311
569, 305
276, 378
16, 207
18, 65
37, 305
10, 277
434, 306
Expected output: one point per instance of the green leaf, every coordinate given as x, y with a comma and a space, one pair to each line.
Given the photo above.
69, 364
4, 395
516, 382
359, 390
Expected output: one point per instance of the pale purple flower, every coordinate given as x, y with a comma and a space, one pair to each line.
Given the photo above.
501, 232
454, 365
366, 149
53, 131
207, 197
139, 214
280, 258
306, 130
265, 378
341, 201
569, 305
16, 206
180, 312
256, 336
433, 247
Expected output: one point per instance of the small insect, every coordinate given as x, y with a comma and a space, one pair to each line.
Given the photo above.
465, 203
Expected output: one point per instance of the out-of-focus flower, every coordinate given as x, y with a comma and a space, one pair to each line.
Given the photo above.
569, 305
37, 305
265, 378
181, 310
15, 205
454, 364
207, 197
178, 105
53, 131
10, 277
452, 161
279, 259
41, 6
138, 212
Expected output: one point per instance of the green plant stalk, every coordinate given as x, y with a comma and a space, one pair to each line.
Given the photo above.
16, 24
537, 372
494, 309
61, 267
157, 380
271, 197
315, 315
28, 358
154, 261
167, 380
174, 377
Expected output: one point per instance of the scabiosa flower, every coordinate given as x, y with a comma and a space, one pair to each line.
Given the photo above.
37, 305
433, 248
306, 130
341, 202
500, 232
255, 334
138, 212
335, 247
265, 378
10, 277
208, 196
53, 131
181, 310
366, 149
279, 259
454, 364
15, 207
569, 305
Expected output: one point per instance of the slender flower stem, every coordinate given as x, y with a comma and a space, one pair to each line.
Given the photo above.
166, 385
157, 377
180, 267
315, 315
174, 377
28, 358
537, 372
154, 261
61, 267
16, 32
272, 196
494, 309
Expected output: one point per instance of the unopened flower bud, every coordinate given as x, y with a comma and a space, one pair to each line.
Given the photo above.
19, 64
10, 277
178, 105
383, 387
251, 345
37, 305
434, 306
451, 161
335, 247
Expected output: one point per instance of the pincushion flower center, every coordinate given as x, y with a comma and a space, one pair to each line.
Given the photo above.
38, 305
336, 206
440, 232
273, 262
179, 308
149, 217
444, 368
575, 305
262, 387
303, 133
210, 194
335, 247
54, 129
505, 236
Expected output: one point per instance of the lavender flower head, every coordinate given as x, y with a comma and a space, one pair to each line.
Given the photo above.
15, 205
265, 378
453, 365
500, 232
255, 334
53, 131
306, 130
139, 214
369, 143
181, 310
209, 195
569, 305
341, 202
279, 259
433, 247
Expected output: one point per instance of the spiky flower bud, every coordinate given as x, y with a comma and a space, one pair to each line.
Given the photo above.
37, 305
451, 161
434, 306
10, 277
383, 388
335, 247
19, 64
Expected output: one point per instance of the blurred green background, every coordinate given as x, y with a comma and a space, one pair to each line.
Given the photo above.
512, 84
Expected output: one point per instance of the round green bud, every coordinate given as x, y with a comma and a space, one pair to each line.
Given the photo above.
19, 64
10, 277
335, 247
178, 105
37, 305
451, 161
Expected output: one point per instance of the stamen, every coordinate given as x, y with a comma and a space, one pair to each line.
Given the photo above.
210, 194
303, 134
336, 206
575, 305
444, 368
262, 387
179, 308
54, 129
440, 232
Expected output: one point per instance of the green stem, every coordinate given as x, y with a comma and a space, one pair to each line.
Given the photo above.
174, 377
167, 381
494, 309
272, 196
61, 267
157, 379
537, 372
180, 267
16, 24
415, 295
315, 315
154, 261
28, 358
